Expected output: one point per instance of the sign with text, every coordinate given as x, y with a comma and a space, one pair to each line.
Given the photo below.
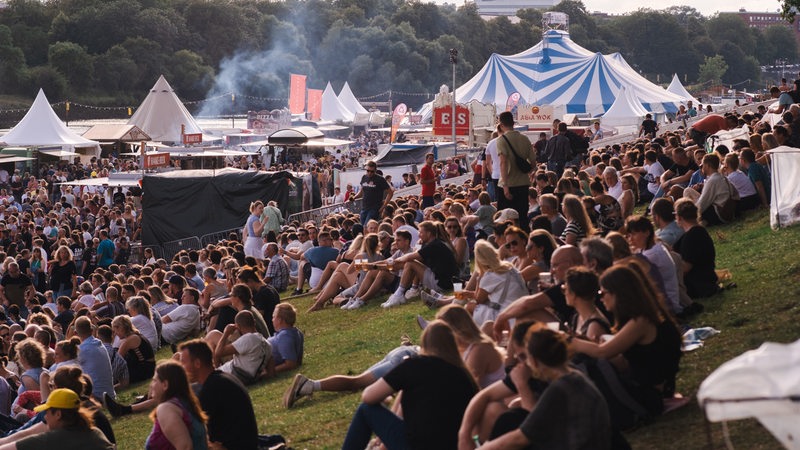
193, 138
157, 160
443, 124
535, 113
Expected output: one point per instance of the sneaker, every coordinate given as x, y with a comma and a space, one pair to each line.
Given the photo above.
346, 305
394, 300
297, 292
294, 392
357, 303
349, 292
412, 293
422, 322
116, 409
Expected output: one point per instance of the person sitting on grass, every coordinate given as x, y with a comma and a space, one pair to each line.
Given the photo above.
287, 344
380, 277
370, 254
697, 251
313, 262
439, 373
250, 353
433, 266
240, 299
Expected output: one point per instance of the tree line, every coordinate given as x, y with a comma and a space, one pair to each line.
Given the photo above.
111, 52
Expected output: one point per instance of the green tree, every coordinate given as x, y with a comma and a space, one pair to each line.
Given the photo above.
73, 62
48, 79
712, 69
189, 75
12, 62
778, 43
729, 27
113, 69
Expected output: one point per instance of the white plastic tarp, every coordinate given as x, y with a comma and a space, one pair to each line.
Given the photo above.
784, 207
763, 384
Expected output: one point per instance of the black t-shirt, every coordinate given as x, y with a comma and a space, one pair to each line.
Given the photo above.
15, 288
438, 257
265, 300
650, 126
435, 395
697, 248
65, 318
231, 419
374, 189
62, 274
665, 161
679, 170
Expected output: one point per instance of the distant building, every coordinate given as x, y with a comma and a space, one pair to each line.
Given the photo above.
510, 7
764, 20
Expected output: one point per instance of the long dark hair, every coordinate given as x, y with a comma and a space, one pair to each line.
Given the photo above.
178, 386
633, 298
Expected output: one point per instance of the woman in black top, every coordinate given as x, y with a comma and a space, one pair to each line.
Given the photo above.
135, 349
438, 373
63, 273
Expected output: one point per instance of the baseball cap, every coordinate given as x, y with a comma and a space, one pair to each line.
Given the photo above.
60, 399
506, 215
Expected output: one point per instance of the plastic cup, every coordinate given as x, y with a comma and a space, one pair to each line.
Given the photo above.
545, 277
552, 325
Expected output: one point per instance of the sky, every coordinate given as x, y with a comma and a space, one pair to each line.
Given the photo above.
706, 7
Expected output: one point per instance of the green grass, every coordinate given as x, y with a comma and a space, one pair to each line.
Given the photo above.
764, 307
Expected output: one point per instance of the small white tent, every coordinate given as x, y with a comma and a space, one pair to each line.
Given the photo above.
761, 383
625, 112
41, 127
349, 100
332, 108
677, 88
785, 201
161, 115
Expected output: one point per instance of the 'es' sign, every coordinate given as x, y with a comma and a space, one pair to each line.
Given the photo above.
443, 124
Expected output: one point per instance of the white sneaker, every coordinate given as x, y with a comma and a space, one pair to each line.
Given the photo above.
394, 300
357, 303
346, 305
412, 293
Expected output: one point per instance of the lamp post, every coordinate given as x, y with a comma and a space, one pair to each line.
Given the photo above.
454, 61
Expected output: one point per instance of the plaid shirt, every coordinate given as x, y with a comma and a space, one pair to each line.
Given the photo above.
278, 271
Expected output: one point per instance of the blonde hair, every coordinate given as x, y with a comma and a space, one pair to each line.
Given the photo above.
255, 205
488, 260
462, 324
574, 209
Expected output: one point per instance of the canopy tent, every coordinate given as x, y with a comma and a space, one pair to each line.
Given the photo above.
784, 207
761, 383
560, 73
677, 88
625, 112
161, 115
41, 127
349, 101
332, 107
116, 132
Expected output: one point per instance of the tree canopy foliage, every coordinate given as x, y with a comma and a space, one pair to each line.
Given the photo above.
115, 49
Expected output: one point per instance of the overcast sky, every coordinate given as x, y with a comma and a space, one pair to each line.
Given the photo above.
706, 7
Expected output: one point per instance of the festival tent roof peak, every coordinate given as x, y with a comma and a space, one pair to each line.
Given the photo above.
332, 107
350, 101
161, 114
626, 110
41, 127
676, 87
559, 72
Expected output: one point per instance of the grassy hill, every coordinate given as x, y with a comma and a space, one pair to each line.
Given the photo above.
764, 307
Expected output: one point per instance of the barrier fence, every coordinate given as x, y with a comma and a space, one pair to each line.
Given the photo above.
317, 214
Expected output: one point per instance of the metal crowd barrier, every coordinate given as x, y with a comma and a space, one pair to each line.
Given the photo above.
216, 237
173, 247
316, 215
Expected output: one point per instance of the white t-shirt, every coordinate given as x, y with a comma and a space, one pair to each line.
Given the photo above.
148, 329
653, 176
491, 152
616, 190
89, 300
659, 256
183, 320
252, 349
495, 283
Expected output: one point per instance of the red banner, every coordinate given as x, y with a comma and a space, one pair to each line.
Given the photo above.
157, 160
297, 94
442, 124
315, 103
193, 138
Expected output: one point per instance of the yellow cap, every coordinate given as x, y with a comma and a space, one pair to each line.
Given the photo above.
61, 399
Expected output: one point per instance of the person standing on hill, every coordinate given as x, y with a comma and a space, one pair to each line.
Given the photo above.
512, 148
427, 178
376, 193
105, 250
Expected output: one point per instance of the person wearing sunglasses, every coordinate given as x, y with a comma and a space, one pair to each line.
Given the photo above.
375, 191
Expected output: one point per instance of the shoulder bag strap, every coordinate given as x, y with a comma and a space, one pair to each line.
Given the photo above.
511, 147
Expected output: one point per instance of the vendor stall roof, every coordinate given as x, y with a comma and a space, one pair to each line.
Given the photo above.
116, 132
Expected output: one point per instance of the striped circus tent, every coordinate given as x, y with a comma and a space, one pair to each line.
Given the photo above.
560, 73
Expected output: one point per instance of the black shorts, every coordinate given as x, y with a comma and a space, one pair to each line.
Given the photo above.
307, 270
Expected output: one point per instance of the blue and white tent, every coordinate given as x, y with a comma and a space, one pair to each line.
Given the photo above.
560, 73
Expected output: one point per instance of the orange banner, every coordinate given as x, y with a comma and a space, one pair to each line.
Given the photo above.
315, 103
297, 94
397, 117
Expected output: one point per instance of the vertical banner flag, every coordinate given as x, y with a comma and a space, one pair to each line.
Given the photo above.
297, 94
397, 117
315, 103
512, 102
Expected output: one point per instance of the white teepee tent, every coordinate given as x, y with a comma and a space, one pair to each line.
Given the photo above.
349, 100
626, 111
677, 88
332, 108
161, 115
41, 127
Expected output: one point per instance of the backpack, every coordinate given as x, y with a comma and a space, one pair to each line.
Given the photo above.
579, 144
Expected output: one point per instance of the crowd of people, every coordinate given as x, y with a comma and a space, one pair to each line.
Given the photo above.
553, 295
